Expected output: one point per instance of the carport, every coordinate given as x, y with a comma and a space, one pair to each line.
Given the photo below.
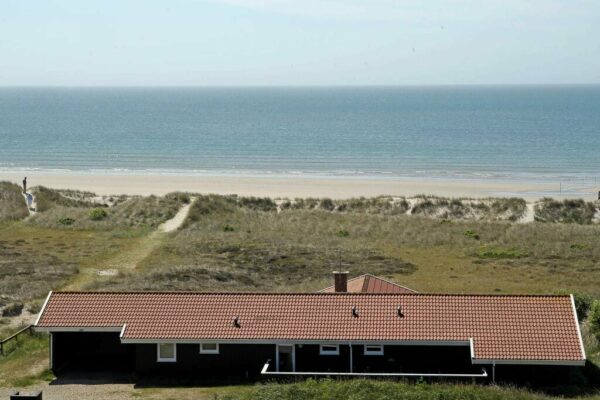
90, 351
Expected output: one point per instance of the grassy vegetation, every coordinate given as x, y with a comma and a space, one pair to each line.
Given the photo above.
327, 389
566, 211
227, 245
500, 209
81, 213
35, 260
237, 243
25, 362
12, 203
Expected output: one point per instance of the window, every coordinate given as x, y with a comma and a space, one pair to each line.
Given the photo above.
209, 348
373, 350
166, 352
329, 350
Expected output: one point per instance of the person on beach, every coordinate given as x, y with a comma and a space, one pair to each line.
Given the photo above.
25, 185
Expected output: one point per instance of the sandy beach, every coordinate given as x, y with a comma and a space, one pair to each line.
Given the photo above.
293, 186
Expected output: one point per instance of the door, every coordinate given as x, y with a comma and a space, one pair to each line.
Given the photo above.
286, 358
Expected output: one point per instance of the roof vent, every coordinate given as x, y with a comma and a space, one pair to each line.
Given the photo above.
399, 310
236, 322
355, 312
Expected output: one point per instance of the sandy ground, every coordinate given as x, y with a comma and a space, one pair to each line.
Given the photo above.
174, 223
291, 187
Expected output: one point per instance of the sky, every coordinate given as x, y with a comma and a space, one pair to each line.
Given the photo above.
298, 43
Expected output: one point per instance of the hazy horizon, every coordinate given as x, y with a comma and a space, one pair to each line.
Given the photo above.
239, 43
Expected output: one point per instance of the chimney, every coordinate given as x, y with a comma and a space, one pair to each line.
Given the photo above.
340, 280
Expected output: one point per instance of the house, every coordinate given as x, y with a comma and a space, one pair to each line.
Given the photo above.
270, 334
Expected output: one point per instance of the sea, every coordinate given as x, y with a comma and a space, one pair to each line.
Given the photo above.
521, 133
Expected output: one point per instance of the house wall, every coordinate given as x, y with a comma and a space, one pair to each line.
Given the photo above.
233, 359
308, 359
415, 359
103, 351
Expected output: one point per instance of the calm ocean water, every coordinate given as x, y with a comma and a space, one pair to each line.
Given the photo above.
533, 133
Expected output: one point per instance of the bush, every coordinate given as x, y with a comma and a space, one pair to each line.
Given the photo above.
98, 214
595, 319
471, 234
343, 233
327, 204
578, 246
13, 310
66, 221
257, 203
228, 228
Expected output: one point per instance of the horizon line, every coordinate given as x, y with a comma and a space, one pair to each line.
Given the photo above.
340, 86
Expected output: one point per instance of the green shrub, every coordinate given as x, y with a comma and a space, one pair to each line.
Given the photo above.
578, 246
471, 234
98, 214
327, 204
66, 221
257, 203
13, 309
343, 233
594, 319
228, 228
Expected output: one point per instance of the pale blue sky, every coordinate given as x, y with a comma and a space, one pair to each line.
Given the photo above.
306, 42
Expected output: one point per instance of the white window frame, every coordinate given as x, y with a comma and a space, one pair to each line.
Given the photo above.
328, 352
209, 351
166, 359
378, 352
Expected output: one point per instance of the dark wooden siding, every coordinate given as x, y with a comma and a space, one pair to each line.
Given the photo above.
85, 351
308, 359
233, 359
415, 359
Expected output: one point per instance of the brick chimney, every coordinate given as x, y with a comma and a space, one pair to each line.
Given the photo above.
340, 281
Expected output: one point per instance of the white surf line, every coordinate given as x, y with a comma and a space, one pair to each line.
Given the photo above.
174, 223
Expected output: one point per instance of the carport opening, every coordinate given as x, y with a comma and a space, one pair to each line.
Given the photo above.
91, 351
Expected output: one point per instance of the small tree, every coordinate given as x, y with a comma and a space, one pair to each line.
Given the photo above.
594, 319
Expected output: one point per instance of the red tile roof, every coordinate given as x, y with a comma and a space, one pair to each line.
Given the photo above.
371, 284
501, 327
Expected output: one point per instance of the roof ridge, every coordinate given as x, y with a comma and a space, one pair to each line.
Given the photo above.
388, 281
416, 294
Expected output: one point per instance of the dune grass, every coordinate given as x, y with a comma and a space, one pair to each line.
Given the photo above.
228, 246
35, 260
566, 211
78, 213
12, 202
